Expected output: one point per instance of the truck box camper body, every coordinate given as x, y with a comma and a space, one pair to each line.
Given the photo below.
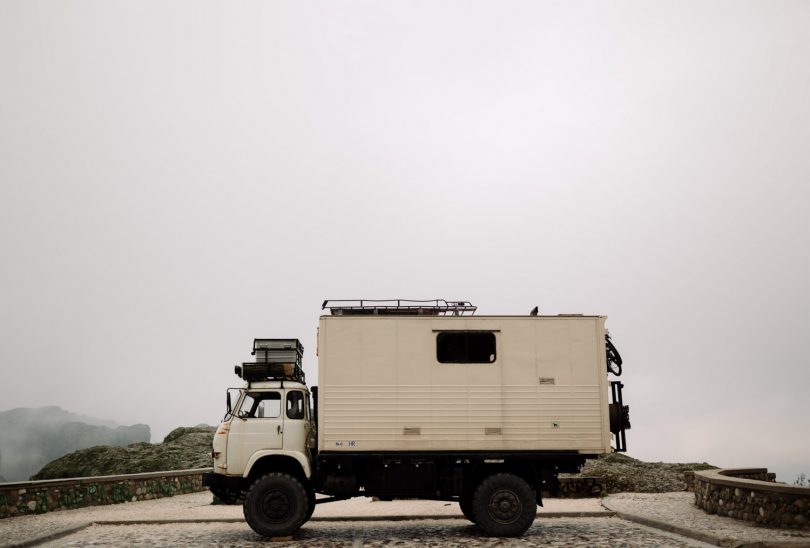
395, 383
421, 399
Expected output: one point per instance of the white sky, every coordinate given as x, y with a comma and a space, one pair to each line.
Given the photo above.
177, 178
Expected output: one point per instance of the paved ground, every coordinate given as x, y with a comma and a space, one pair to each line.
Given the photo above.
191, 520
197, 507
677, 512
574, 532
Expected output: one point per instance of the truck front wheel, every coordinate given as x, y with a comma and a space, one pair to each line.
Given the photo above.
311, 503
276, 505
504, 505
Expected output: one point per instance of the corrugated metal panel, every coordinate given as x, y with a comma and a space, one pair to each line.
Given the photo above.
375, 417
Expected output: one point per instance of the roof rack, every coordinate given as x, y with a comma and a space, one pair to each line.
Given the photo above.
398, 307
268, 371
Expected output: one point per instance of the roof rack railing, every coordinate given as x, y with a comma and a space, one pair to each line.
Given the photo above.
398, 307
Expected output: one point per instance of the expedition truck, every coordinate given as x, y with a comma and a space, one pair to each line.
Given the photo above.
419, 399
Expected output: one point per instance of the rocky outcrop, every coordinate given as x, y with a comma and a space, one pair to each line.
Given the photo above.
183, 448
620, 473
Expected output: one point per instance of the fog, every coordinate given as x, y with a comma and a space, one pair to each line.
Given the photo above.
179, 178
31, 438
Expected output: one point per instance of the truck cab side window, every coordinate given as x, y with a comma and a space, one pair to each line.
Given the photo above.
465, 347
295, 405
260, 405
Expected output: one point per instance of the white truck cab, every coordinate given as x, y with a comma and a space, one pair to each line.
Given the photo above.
263, 448
271, 418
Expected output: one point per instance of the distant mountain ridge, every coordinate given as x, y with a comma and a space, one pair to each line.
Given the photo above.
32, 437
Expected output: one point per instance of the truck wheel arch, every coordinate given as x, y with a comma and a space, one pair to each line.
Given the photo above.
290, 462
525, 470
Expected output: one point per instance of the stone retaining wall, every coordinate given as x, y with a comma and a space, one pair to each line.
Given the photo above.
689, 478
580, 487
37, 497
751, 494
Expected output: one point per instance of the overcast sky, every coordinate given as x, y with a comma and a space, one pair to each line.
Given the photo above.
178, 178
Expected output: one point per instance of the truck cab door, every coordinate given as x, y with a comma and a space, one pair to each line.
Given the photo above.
297, 426
258, 424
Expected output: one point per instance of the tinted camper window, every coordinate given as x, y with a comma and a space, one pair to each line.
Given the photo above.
465, 347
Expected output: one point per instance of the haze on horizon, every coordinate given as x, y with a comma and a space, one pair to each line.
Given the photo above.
179, 178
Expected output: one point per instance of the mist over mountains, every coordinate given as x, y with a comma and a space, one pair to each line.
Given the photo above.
32, 437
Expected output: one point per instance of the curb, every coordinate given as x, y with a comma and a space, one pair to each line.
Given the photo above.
51, 536
166, 521
725, 542
678, 530
406, 517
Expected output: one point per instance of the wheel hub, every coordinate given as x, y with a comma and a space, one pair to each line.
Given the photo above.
276, 505
505, 506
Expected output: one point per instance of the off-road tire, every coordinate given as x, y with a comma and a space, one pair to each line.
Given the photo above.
504, 505
276, 505
311, 503
465, 503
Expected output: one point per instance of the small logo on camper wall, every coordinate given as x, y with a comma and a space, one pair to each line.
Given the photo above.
351, 443
546, 380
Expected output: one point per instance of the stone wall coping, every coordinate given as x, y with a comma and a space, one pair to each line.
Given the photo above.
725, 477
100, 479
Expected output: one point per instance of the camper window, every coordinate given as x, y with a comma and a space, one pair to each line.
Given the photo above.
465, 347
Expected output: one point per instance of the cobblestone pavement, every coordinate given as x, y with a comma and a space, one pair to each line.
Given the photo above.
225, 526
574, 532
197, 506
679, 510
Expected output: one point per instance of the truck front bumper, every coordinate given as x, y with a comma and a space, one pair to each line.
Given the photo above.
218, 481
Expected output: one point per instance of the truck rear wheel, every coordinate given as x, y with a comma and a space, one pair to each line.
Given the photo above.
465, 503
276, 505
504, 505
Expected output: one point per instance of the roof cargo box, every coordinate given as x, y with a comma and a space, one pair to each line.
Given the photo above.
278, 351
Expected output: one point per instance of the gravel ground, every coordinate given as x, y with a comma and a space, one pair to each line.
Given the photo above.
679, 510
574, 532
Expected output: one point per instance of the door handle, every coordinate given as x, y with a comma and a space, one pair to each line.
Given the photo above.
279, 429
